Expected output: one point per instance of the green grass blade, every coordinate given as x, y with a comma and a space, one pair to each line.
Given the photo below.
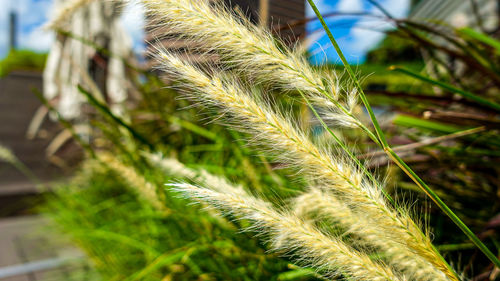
448, 87
479, 36
195, 128
296, 274
106, 111
362, 95
444, 207
414, 122
161, 261
395, 157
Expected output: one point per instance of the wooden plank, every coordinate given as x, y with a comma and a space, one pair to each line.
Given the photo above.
285, 12
17, 107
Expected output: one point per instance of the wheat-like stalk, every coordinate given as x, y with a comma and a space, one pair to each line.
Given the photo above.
288, 233
7, 155
256, 118
254, 51
295, 148
177, 169
145, 189
321, 204
63, 13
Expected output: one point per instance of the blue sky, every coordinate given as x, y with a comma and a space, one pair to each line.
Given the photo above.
355, 36
32, 14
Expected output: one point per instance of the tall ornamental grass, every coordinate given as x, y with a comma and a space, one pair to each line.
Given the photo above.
328, 213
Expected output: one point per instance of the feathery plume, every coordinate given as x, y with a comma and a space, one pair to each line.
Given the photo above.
254, 51
329, 255
145, 189
321, 204
177, 169
7, 155
293, 145
65, 12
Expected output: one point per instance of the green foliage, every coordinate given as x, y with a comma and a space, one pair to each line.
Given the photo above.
463, 63
394, 49
22, 60
127, 239
462, 66
469, 33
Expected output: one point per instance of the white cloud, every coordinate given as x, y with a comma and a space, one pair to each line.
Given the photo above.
37, 40
364, 33
133, 21
397, 8
32, 14
349, 6
364, 39
322, 5
367, 34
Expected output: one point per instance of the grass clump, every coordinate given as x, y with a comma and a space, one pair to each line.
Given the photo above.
128, 238
323, 215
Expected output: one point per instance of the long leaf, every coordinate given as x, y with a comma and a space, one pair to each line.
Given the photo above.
448, 87
396, 158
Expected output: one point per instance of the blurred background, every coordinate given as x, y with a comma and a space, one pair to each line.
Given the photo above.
447, 130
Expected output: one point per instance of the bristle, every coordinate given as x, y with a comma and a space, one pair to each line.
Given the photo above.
320, 204
252, 52
214, 28
141, 186
294, 148
65, 12
7, 155
177, 169
329, 255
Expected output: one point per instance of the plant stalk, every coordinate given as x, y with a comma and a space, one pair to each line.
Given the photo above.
465, 94
395, 157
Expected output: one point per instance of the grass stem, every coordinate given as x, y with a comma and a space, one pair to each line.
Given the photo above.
465, 94
395, 157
